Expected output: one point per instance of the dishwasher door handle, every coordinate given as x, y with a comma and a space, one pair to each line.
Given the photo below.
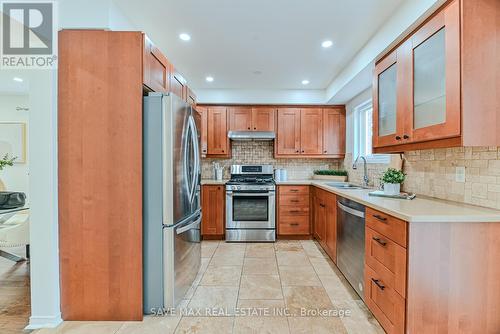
352, 211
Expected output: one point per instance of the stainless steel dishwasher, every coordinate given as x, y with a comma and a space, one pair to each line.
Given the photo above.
351, 242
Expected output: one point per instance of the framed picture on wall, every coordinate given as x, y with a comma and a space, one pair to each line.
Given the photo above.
13, 140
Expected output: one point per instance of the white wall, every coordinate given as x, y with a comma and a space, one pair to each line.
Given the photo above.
15, 178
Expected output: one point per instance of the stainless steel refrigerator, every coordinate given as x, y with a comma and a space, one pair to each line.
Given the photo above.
172, 211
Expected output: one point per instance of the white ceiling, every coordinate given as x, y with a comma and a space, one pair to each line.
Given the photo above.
232, 39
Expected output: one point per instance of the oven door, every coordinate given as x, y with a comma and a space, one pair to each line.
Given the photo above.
250, 209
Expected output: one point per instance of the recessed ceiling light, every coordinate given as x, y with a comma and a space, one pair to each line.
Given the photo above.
185, 37
209, 79
305, 82
18, 79
326, 44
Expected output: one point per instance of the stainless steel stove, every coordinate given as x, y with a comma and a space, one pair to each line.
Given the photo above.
250, 204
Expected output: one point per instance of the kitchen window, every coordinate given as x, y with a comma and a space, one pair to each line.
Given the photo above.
363, 133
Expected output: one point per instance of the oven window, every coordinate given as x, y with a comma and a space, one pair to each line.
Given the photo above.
255, 208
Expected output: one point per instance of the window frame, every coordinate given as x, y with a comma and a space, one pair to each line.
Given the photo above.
361, 143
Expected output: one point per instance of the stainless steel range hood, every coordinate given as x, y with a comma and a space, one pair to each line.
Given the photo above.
252, 135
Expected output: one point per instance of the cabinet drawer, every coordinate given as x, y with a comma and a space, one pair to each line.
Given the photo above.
293, 210
292, 190
387, 258
384, 302
294, 200
390, 227
294, 225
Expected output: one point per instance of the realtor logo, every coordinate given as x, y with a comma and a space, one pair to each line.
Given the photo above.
28, 35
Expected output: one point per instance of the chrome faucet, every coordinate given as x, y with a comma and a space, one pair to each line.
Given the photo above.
366, 180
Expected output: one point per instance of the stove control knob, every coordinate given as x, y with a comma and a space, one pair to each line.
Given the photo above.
238, 187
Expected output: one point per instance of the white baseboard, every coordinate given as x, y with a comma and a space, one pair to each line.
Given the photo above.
44, 322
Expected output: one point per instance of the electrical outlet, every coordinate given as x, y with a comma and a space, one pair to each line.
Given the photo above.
460, 174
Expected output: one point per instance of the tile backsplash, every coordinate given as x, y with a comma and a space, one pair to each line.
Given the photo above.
429, 172
262, 152
432, 173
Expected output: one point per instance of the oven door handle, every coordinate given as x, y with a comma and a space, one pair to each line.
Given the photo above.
265, 194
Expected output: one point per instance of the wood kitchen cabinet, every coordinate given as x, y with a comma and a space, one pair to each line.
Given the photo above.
263, 119
156, 68
293, 211
204, 130
213, 206
240, 118
251, 119
334, 131
178, 84
217, 140
325, 221
288, 132
436, 88
310, 132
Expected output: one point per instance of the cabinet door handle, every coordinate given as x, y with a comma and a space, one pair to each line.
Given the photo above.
322, 205
297, 151
406, 137
248, 128
377, 283
255, 128
325, 151
380, 241
379, 217
398, 137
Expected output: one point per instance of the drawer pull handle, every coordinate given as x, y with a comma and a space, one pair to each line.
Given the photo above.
294, 201
379, 217
383, 243
322, 205
294, 190
294, 211
294, 224
377, 283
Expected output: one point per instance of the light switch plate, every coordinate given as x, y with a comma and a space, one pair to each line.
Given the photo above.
460, 174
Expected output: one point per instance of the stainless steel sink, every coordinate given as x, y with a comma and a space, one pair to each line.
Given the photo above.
343, 185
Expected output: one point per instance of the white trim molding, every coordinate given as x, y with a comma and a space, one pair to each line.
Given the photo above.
44, 322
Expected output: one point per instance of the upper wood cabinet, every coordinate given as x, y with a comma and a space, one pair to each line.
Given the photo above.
156, 68
437, 88
240, 118
310, 132
263, 119
178, 84
217, 140
251, 119
334, 131
288, 132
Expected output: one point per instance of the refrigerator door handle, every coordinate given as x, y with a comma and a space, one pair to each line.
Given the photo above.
188, 226
194, 139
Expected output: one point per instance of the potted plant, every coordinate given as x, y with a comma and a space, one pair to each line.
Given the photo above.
4, 162
330, 174
392, 179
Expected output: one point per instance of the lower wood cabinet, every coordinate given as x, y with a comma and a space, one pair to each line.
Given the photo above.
385, 269
325, 221
293, 211
213, 208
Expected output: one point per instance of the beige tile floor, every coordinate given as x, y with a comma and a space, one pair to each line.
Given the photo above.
256, 288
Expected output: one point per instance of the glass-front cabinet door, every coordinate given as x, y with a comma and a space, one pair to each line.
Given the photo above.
436, 78
388, 120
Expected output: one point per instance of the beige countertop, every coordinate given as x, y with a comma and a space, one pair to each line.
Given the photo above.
419, 210
213, 182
